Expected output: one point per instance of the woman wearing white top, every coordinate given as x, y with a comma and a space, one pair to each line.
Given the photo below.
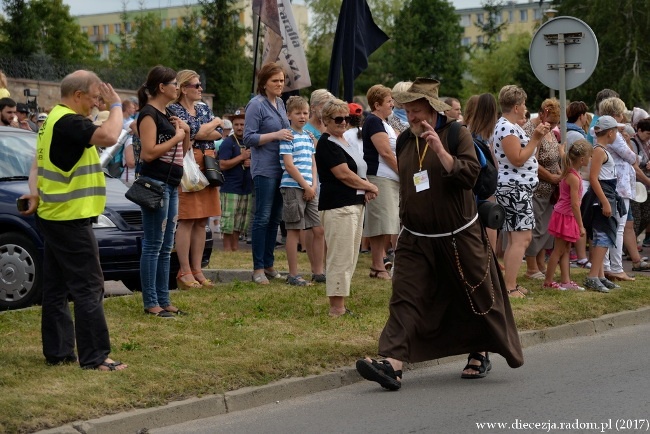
515, 154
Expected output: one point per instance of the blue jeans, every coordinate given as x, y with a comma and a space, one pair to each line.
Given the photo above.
158, 227
267, 217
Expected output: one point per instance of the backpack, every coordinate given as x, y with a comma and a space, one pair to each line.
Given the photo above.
486, 183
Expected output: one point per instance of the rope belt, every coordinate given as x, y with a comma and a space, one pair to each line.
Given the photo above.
446, 234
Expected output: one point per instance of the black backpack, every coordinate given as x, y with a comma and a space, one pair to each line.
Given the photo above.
486, 183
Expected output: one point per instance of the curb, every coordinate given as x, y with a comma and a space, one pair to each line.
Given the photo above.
137, 421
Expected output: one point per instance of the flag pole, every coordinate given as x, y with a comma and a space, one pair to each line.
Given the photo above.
257, 41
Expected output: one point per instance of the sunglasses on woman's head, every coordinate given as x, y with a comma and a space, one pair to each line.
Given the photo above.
339, 119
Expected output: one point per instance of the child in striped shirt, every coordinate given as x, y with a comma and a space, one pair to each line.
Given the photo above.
298, 188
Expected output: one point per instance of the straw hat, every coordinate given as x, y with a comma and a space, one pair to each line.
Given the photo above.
426, 88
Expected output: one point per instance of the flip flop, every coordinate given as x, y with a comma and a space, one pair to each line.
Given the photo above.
536, 275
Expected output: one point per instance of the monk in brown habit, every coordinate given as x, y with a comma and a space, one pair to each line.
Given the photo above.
448, 297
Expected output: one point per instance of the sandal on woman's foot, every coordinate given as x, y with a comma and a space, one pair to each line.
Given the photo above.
260, 279
381, 372
379, 274
480, 370
346, 312
517, 293
181, 284
108, 366
640, 266
297, 280
205, 283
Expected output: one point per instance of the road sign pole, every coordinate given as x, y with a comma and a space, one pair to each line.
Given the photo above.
562, 71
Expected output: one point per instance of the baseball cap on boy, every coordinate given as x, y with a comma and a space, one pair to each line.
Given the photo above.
606, 123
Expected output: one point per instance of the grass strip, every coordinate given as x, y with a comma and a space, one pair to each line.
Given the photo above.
239, 334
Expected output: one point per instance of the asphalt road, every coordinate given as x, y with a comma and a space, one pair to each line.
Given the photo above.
593, 384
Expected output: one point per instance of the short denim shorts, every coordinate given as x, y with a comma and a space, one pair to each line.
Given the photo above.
600, 239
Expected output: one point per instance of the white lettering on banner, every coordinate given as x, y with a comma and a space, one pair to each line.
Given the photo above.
287, 49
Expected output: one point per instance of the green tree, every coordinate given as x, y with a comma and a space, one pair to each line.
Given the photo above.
322, 28
187, 46
428, 35
229, 71
621, 28
489, 70
492, 27
20, 21
58, 34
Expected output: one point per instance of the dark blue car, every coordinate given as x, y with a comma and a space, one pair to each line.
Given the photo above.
118, 230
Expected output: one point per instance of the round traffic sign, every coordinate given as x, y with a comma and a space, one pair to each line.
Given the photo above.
580, 52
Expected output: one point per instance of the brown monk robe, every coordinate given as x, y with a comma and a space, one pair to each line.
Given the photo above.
448, 292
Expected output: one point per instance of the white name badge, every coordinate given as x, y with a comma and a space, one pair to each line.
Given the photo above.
421, 181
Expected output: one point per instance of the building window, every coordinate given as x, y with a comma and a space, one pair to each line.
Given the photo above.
479, 40
106, 29
465, 42
163, 24
95, 30
84, 29
127, 28
538, 14
523, 15
105, 51
511, 16
497, 18
465, 20
117, 28
479, 18
173, 22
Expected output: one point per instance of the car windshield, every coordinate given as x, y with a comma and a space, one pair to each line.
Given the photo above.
16, 154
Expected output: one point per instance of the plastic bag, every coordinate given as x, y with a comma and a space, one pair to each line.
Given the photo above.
193, 179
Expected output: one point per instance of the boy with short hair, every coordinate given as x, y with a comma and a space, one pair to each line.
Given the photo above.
300, 210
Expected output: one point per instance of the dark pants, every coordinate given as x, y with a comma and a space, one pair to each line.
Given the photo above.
71, 269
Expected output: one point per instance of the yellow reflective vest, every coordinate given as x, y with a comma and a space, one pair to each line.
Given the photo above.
75, 194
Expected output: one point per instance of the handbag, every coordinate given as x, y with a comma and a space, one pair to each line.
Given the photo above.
211, 170
193, 179
146, 192
555, 195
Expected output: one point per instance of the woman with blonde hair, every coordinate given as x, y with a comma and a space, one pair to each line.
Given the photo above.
515, 154
194, 208
398, 119
382, 215
4, 92
343, 193
316, 102
549, 154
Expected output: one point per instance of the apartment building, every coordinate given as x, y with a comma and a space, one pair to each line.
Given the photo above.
521, 17
104, 29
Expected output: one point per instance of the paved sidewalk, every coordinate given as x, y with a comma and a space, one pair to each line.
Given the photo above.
139, 421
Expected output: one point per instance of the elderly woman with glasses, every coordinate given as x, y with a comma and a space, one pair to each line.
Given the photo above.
549, 154
194, 208
343, 193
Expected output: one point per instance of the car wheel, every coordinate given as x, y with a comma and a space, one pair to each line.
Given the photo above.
20, 272
133, 284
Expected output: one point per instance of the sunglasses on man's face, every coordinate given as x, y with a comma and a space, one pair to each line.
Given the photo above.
339, 119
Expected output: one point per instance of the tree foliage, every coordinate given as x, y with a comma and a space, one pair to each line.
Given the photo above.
621, 28
229, 72
427, 34
491, 28
43, 28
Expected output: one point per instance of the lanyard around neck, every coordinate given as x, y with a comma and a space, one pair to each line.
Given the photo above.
417, 147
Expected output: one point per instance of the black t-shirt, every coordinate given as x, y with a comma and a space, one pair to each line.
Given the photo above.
158, 169
334, 193
70, 138
371, 126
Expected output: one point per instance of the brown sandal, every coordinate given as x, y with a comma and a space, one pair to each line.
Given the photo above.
205, 283
377, 274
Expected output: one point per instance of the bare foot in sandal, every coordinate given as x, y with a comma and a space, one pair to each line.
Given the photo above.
379, 274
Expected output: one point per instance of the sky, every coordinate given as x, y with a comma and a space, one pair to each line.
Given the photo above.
82, 7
